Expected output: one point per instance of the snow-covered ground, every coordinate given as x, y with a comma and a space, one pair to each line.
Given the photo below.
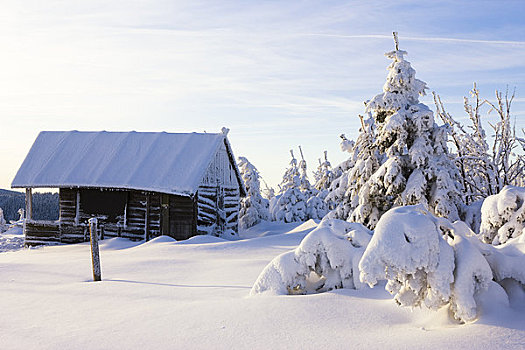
194, 294
12, 239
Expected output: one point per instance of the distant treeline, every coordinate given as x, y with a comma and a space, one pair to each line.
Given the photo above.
45, 205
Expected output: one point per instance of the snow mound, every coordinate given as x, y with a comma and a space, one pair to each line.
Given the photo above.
12, 239
310, 224
268, 228
506, 260
162, 239
503, 215
426, 261
10, 243
157, 240
15, 230
117, 243
326, 259
202, 239
472, 276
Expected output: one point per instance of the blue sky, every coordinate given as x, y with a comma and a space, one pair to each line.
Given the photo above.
278, 73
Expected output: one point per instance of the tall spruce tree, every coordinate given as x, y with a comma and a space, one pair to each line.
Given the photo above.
400, 156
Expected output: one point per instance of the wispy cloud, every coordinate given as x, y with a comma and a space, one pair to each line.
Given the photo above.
425, 39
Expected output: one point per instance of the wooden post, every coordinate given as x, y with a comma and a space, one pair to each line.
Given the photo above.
126, 215
29, 204
77, 208
95, 255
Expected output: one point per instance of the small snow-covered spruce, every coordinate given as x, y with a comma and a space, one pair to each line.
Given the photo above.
317, 208
254, 207
426, 261
303, 174
408, 156
326, 259
485, 169
3, 223
338, 186
324, 176
290, 203
503, 215
22, 214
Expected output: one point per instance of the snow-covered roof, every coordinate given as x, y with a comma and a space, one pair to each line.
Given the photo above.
152, 161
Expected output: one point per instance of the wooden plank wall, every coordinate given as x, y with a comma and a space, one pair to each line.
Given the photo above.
133, 226
142, 205
67, 205
41, 232
74, 233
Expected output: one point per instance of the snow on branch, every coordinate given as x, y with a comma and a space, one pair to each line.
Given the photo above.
326, 259
426, 262
485, 167
503, 215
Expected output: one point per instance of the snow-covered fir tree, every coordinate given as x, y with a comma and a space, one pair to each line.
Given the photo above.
291, 176
290, 203
254, 207
315, 206
3, 223
303, 175
323, 176
401, 157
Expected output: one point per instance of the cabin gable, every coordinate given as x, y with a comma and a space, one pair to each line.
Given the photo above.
218, 196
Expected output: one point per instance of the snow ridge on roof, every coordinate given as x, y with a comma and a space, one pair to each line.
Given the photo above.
153, 161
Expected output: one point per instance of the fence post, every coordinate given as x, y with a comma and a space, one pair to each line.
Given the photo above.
95, 256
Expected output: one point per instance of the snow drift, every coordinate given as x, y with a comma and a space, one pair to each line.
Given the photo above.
326, 259
432, 262
503, 215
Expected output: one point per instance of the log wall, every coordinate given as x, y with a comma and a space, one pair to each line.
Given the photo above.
231, 208
207, 214
67, 205
217, 210
41, 232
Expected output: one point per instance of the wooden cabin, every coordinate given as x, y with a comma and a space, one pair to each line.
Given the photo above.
138, 184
